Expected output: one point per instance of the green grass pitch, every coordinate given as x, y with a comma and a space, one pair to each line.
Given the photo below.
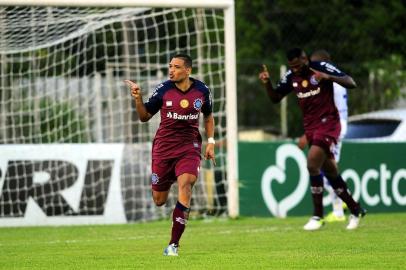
244, 243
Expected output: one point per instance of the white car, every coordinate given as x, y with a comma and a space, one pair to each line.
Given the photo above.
378, 126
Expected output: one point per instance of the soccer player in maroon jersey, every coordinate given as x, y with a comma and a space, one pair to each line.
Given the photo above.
176, 150
312, 82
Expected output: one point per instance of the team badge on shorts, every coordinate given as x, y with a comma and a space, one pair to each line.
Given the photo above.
197, 104
154, 179
305, 83
184, 103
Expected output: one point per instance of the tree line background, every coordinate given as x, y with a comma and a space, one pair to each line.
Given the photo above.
366, 39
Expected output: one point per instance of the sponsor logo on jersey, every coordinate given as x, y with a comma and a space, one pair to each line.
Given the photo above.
154, 179
330, 67
168, 103
197, 104
184, 103
156, 90
177, 116
285, 76
305, 83
313, 80
308, 94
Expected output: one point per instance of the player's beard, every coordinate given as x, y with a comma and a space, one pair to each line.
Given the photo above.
179, 80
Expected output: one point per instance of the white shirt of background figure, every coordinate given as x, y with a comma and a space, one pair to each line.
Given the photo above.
341, 101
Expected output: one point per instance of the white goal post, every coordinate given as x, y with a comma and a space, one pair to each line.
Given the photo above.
61, 84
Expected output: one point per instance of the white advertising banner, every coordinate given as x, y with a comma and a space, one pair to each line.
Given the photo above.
60, 184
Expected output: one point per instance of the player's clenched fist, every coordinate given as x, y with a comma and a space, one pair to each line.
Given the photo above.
135, 89
264, 75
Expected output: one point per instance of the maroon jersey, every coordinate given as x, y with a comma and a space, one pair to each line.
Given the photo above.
316, 99
178, 132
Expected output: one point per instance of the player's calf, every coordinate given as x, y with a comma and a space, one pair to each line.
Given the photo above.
341, 189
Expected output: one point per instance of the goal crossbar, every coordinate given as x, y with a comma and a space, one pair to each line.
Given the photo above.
123, 3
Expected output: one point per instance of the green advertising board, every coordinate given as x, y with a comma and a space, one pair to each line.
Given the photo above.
274, 180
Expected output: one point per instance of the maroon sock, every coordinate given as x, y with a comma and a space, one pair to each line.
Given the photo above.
340, 188
316, 187
179, 219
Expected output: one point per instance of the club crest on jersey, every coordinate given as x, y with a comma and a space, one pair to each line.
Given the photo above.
168, 103
313, 80
294, 84
184, 103
154, 179
197, 104
305, 83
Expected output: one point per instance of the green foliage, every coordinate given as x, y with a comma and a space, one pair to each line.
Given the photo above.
362, 37
387, 78
51, 122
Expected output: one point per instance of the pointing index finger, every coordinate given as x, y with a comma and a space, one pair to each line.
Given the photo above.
132, 85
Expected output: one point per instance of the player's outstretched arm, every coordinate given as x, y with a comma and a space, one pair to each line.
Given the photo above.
143, 114
209, 127
264, 77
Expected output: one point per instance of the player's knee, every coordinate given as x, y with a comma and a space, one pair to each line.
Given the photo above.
187, 182
159, 201
185, 187
313, 170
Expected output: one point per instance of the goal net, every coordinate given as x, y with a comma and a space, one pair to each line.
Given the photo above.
62, 72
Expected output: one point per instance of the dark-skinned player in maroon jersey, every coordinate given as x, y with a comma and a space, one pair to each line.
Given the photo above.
176, 150
312, 82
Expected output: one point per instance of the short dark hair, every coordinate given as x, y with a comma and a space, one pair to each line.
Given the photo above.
294, 53
185, 57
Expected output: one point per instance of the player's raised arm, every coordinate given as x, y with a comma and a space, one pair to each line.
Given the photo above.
265, 79
209, 127
346, 80
143, 114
